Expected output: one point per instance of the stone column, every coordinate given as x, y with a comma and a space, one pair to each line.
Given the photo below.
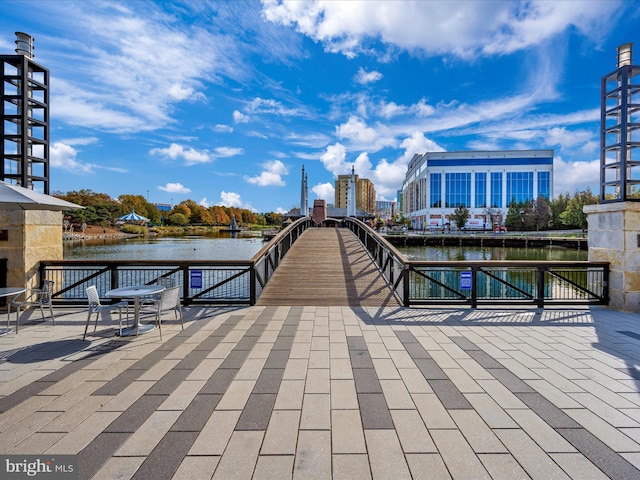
32, 235
614, 237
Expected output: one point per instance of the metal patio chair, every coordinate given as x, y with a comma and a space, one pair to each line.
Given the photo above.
169, 300
96, 307
38, 297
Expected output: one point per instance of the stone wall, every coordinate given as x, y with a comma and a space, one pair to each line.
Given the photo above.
614, 237
33, 235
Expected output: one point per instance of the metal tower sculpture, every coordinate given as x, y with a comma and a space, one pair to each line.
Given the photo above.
24, 125
620, 130
351, 194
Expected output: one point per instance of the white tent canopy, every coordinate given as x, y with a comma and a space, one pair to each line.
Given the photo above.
133, 217
15, 197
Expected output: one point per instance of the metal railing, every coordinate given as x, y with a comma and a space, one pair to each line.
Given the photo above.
475, 283
202, 281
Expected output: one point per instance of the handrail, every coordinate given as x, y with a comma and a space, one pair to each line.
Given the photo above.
202, 281
488, 282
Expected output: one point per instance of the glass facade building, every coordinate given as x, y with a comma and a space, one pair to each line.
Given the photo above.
485, 182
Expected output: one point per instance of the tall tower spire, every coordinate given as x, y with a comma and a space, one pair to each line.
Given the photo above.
304, 198
351, 194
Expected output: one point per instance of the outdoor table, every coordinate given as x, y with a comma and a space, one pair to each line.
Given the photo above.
135, 292
8, 292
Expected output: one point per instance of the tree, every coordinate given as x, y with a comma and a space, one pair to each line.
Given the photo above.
541, 214
573, 216
558, 206
515, 213
178, 219
460, 216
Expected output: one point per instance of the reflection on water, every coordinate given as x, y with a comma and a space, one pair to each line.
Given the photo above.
223, 247
164, 248
494, 253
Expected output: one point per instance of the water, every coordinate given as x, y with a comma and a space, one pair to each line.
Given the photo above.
164, 248
243, 248
447, 254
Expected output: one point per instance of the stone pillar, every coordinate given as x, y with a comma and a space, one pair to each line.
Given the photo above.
32, 235
614, 237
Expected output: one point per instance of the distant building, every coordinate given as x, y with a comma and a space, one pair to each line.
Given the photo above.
163, 207
485, 182
386, 210
365, 193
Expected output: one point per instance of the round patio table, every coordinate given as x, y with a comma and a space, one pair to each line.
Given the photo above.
135, 292
8, 292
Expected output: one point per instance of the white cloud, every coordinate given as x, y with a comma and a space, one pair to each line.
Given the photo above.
460, 27
174, 188
364, 77
226, 152
325, 191
360, 136
65, 157
204, 203
281, 210
239, 117
572, 176
271, 176
261, 106
190, 155
233, 199
223, 128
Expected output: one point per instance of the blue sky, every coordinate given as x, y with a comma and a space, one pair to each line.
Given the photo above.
224, 102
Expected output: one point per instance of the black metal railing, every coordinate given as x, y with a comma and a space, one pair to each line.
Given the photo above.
202, 281
490, 282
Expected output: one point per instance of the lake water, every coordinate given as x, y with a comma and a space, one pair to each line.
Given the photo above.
243, 248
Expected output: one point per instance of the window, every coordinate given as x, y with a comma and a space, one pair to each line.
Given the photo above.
496, 190
519, 187
435, 188
481, 190
457, 190
544, 185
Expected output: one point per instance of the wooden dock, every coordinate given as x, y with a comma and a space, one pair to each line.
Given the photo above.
328, 267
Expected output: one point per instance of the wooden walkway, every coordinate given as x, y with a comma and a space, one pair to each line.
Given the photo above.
328, 267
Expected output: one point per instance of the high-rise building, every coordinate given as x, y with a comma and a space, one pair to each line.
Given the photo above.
24, 126
365, 193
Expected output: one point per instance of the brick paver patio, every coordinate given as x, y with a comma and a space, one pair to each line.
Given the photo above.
331, 392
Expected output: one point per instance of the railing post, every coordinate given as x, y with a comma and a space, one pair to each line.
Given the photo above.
113, 273
185, 285
605, 284
474, 287
406, 301
540, 299
252, 284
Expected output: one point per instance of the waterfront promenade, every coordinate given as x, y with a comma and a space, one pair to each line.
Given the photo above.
331, 392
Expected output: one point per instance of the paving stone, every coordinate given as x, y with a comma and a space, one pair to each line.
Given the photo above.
290, 395
412, 432
257, 412
274, 467
360, 359
385, 455
96, 453
351, 467
131, 419
433, 413
269, 380
551, 414
277, 359
282, 433
540, 431
316, 412
503, 466
219, 381
458, 455
196, 467
492, 413
430, 369
366, 380
449, 394
150, 433
240, 457
195, 416
421, 463
577, 466
347, 435
374, 411
530, 456
215, 434
313, 456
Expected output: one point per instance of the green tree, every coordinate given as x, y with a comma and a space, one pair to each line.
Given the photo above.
178, 219
558, 206
573, 216
515, 214
541, 214
460, 216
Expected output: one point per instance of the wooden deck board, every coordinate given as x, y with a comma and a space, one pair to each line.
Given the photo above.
325, 267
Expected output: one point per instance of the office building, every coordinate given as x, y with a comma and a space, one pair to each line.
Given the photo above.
365, 193
485, 182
